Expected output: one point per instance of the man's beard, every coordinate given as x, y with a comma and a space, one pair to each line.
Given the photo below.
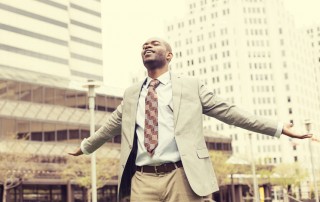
154, 64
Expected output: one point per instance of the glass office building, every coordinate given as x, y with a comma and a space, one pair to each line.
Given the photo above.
43, 117
48, 49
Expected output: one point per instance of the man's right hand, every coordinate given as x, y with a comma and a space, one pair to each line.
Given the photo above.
77, 152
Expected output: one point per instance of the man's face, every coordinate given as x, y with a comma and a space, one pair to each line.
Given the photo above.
154, 53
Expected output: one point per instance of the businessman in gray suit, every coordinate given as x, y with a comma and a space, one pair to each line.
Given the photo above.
163, 151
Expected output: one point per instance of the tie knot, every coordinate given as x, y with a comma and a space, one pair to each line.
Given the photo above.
154, 83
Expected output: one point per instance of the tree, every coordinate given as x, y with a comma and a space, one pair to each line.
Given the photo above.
288, 175
14, 169
223, 169
78, 169
15, 165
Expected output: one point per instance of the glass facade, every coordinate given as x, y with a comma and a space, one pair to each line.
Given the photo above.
44, 131
20, 91
41, 113
45, 122
41, 193
218, 143
219, 146
108, 193
58, 193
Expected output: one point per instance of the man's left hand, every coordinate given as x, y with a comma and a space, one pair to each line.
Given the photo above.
288, 131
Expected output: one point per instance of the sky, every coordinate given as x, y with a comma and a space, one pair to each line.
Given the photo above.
128, 24
126, 28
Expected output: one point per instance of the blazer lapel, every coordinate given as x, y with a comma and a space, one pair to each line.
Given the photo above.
176, 96
134, 98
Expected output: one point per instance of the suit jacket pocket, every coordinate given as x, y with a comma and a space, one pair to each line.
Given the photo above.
203, 153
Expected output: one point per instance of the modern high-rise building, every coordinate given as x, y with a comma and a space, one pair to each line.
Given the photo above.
61, 38
314, 34
250, 53
48, 48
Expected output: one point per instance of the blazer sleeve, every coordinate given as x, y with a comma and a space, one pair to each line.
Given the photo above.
228, 113
111, 128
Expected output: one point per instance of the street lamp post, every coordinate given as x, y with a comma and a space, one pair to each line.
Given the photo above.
253, 169
91, 85
308, 127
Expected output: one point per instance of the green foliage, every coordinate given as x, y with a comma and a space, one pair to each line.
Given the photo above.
223, 169
78, 169
282, 175
288, 174
265, 172
15, 167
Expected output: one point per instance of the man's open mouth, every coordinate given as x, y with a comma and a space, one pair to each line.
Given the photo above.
148, 52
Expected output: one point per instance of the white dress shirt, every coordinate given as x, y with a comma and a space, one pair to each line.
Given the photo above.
167, 150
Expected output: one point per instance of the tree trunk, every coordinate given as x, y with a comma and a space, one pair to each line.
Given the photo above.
221, 195
89, 194
4, 197
285, 195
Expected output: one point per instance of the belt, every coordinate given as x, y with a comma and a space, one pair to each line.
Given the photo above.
163, 168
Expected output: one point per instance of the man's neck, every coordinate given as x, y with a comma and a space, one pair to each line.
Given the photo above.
155, 73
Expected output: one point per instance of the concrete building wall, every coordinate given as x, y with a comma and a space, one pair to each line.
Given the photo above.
61, 38
250, 53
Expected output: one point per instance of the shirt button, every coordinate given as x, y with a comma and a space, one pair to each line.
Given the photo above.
130, 146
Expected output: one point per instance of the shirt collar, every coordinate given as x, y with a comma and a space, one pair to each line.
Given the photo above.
163, 78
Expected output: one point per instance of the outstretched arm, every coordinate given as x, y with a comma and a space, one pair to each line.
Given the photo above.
228, 113
111, 128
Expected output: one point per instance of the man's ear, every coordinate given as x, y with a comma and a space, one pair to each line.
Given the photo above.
169, 56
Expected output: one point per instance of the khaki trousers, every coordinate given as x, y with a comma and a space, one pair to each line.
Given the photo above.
166, 187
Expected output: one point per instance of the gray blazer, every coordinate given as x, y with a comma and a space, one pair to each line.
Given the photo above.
191, 99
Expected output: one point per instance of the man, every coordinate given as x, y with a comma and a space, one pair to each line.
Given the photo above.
163, 151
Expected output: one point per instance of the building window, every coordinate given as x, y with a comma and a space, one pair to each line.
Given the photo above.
294, 147
36, 136
289, 99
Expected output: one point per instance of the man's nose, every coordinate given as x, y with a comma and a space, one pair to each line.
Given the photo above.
148, 46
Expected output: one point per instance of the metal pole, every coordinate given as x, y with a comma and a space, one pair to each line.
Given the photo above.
313, 173
308, 126
233, 195
253, 169
275, 194
91, 94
